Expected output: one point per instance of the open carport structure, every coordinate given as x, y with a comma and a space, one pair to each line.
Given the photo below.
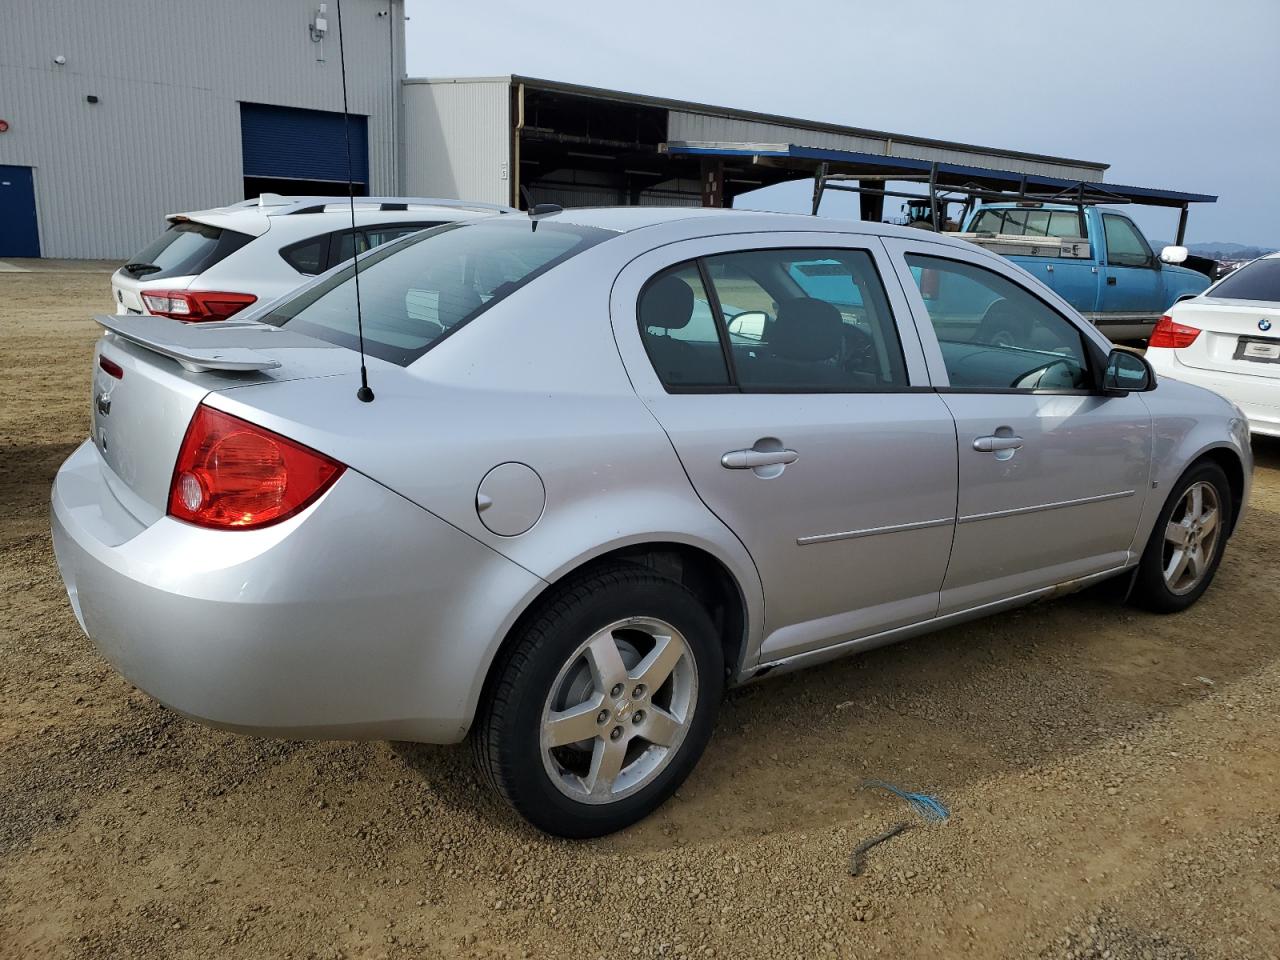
510, 139
522, 140
871, 176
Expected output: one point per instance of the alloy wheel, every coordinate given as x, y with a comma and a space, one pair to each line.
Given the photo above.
619, 710
1191, 537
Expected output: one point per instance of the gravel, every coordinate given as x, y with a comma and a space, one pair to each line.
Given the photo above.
1111, 775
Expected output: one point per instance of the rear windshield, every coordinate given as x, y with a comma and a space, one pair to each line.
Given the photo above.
1024, 222
185, 249
416, 292
1259, 280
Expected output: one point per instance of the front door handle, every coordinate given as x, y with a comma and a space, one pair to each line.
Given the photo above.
1111, 281
996, 444
750, 459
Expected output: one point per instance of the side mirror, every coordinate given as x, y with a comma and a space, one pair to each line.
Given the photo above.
1127, 372
749, 325
1174, 254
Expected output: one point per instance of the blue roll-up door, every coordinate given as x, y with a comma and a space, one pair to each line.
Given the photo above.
293, 144
19, 232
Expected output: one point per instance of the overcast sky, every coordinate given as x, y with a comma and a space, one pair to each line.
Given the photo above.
1183, 94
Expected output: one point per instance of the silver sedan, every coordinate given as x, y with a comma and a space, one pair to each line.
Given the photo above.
614, 462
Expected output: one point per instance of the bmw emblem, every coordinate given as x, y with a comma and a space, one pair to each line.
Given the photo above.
1264, 324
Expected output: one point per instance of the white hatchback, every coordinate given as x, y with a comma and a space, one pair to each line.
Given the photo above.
210, 264
1228, 339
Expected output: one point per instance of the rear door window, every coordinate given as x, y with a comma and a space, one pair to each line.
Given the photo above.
308, 256
679, 331
807, 321
185, 249
773, 321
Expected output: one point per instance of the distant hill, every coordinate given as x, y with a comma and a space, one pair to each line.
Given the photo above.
1225, 250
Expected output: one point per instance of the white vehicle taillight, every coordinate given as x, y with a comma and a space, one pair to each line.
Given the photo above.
195, 306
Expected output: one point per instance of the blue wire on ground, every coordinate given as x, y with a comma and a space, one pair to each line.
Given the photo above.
930, 808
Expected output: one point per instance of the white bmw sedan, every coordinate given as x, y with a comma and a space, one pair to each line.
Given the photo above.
613, 462
1228, 339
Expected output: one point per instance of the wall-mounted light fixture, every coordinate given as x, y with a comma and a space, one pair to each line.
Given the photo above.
319, 26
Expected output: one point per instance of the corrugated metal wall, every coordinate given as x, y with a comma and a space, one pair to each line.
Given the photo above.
169, 76
458, 139
709, 127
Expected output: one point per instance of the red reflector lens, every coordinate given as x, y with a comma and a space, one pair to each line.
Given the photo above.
111, 367
234, 474
195, 306
1169, 333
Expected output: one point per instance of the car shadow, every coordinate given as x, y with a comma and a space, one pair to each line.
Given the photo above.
1266, 452
26, 473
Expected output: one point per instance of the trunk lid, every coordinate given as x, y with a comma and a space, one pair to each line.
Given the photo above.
150, 374
1237, 336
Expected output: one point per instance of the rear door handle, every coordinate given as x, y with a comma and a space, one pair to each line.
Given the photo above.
996, 444
1111, 281
750, 459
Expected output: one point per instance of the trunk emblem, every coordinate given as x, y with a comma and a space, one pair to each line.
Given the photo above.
1264, 324
104, 404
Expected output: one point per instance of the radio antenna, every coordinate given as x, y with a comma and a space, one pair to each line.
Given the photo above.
364, 394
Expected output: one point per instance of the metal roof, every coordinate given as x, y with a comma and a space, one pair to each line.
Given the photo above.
817, 125
949, 174
753, 116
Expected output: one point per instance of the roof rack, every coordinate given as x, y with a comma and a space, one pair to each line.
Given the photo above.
296, 205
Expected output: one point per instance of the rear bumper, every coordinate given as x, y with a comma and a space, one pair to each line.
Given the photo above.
1257, 397
364, 617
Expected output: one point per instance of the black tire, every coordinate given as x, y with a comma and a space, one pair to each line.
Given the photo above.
1150, 590
505, 738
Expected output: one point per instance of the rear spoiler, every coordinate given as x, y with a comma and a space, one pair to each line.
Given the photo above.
231, 346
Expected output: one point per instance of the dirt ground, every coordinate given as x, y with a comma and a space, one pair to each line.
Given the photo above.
1112, 776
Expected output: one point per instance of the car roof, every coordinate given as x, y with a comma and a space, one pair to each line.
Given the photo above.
254, 216
702, 221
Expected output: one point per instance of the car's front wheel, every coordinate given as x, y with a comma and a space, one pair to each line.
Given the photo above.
1186, 545
603, 703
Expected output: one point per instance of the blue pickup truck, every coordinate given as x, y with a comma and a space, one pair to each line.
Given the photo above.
1094, 258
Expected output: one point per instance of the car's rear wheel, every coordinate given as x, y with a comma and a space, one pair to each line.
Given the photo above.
1186, 544
602, 704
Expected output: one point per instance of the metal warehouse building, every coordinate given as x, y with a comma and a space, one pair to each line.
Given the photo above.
115, 114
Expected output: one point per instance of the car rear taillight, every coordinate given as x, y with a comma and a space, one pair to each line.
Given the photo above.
236, 475
1169, 333
195, 306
